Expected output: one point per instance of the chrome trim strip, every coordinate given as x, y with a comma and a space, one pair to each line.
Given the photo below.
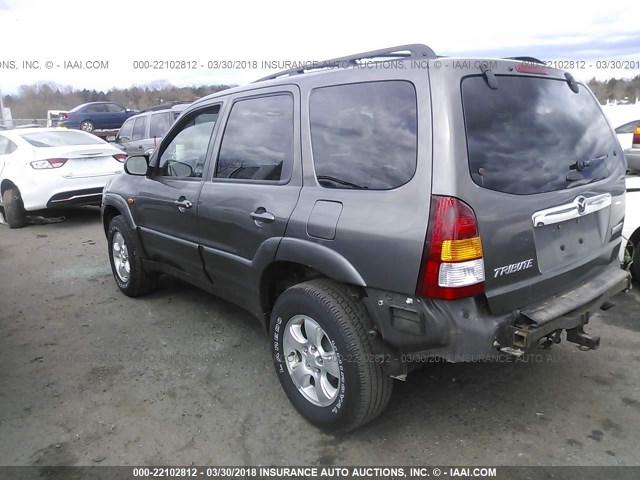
75, 197
580, 206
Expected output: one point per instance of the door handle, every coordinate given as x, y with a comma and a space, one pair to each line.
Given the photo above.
262, 216
182, 203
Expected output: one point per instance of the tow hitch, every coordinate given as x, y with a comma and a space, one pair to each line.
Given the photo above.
587, 342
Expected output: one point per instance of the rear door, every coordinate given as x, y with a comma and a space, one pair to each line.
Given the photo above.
244, 209
166, 205
543, 172
138, 142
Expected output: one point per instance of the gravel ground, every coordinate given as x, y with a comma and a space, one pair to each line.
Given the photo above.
89, 376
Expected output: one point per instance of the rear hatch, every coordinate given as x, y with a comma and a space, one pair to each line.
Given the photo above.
536, 160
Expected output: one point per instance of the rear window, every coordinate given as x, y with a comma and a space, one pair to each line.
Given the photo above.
364, 135
534, 135
61, 139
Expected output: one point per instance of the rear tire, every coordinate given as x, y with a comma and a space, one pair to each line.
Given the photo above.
125, 257
87, 126
635, 263
14, 211
319, 319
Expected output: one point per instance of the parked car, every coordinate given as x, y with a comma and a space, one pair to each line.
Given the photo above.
625, 133
44, 168
144, 131
630, 256
633, 154
337, 207
96, 116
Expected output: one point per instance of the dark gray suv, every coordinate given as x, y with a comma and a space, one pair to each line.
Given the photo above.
377, 209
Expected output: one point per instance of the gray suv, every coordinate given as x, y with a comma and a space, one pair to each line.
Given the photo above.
381, 208
144, 131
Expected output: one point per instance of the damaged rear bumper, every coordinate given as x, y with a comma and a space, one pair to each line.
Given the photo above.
466, 330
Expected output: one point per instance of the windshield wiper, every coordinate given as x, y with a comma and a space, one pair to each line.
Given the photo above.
341, 182
582, 164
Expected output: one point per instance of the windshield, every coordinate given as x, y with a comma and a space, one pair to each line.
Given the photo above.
61, 139
534, 135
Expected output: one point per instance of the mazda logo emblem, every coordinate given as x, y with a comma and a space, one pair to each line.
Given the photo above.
582, 204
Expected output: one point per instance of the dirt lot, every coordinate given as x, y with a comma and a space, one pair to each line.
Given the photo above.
89, 376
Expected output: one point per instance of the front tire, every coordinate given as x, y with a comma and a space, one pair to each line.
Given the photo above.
126, 260
14, 211
323, 357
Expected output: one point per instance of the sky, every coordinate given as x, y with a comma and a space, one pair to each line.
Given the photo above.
121, 35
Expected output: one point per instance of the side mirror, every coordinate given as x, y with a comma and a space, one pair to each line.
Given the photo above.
111, 138
122, 139
127, 110
136, 165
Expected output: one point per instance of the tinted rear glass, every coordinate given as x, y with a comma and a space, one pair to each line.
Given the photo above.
364, 135
529, 134
61, 139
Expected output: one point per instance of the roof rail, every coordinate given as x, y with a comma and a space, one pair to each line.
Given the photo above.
526, 59
414, 50
164, 106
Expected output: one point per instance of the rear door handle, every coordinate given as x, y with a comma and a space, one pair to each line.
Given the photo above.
261, 215
182, 203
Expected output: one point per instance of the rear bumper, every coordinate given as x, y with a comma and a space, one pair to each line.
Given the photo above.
88, 196
465, 330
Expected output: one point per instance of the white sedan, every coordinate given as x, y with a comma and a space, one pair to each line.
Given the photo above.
44, 168
631, 230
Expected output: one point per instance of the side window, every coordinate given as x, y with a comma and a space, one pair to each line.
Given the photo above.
113, 108
126, 130
186, 154
364, 135
100, 108
258, 139
160, 123
139, 128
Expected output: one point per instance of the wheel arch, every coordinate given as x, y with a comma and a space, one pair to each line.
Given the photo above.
298, 261
113, 205
6, 185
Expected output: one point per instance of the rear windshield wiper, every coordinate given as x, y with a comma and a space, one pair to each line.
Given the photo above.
582, 164
341, 182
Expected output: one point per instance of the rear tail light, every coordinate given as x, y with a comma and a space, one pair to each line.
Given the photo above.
49, 163
453, 266
121, 157
636, 136
65, 115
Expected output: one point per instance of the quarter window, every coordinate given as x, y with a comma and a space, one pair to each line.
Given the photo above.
7, 146
186, 154
364, 135
258, 140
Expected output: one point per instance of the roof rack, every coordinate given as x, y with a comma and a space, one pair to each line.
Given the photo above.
414, 50
163, 106
526, 59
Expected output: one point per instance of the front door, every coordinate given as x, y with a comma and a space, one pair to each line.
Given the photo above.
166, 205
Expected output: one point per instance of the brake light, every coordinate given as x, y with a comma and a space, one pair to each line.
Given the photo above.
530, 68
121, 157
452, 266
636, 136
65, 115
49, 163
